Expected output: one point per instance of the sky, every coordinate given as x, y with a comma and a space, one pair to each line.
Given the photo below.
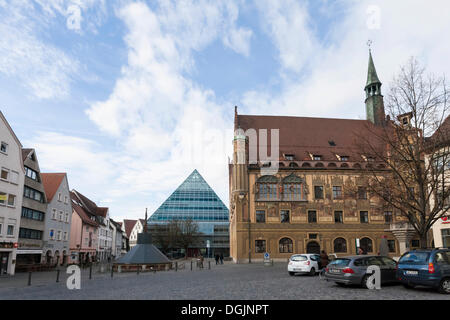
129, 97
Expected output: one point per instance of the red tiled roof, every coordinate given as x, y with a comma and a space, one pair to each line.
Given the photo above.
129, 224
25, 153
302, 136
51, 182
90, 205
83, 215
442, 135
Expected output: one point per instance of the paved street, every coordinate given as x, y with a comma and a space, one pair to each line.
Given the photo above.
228, 281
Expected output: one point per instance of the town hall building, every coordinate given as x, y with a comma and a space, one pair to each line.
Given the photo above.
303, 207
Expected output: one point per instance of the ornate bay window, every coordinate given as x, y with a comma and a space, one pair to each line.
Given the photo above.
267, 188
293, 188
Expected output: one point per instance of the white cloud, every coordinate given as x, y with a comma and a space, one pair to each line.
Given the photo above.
288, 24
45, 70
333, 72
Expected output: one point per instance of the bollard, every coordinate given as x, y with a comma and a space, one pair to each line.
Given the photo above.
176, 265
209, 265
57, 275
29, 278
90, 271
191, 265
112, 271
272, 262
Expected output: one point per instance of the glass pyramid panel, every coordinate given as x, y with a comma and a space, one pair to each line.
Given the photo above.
193, 199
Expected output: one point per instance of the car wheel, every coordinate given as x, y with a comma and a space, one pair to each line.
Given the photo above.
291, 273
408, 286
312, 272
444, 286
365, 281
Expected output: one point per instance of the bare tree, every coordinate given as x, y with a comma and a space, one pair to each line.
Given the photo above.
176, 234
407, 158
189, 234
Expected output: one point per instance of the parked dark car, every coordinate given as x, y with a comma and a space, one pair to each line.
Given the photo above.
425, 267
352, 270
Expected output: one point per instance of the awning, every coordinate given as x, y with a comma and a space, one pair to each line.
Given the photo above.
29, 252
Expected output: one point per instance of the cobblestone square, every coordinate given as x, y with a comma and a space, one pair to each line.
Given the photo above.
222, 282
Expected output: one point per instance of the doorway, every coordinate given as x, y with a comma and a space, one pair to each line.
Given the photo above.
313, 247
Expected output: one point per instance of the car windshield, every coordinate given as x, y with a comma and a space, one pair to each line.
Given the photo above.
299, 258
339, 262
414, 258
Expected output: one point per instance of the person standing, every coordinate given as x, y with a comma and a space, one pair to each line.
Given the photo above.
324, 259
221, 258
216, 257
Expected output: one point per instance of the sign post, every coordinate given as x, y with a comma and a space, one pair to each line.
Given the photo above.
267, 259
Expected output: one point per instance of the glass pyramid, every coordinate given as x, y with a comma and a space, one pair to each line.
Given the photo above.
193, 199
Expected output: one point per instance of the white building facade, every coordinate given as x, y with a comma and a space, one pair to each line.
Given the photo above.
58, 218
11, 195
138, 228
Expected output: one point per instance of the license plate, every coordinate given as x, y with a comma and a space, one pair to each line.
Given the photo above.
335, 270
412, 273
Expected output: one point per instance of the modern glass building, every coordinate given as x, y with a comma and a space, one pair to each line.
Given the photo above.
194, 199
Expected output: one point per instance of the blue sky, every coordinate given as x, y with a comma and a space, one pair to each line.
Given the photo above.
129, 97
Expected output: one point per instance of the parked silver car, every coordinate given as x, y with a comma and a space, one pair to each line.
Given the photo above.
353, 269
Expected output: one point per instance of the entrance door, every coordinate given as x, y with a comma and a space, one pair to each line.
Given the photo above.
4, 262
313, 247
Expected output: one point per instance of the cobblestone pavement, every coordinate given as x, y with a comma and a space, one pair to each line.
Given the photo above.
228, 281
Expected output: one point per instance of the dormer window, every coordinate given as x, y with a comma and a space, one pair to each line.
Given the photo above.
289, 157
343, 158
317, 157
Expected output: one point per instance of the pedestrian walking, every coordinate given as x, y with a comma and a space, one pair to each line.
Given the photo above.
221, 258
201, 261
323, 259
216, 257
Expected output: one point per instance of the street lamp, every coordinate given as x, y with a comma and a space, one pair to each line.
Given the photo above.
241, 197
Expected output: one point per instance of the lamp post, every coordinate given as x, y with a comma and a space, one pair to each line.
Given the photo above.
241, 197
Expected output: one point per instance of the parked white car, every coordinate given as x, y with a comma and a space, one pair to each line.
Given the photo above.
304, 263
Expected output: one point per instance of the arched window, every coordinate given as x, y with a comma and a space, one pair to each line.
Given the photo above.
286, 245
340, 245
267, 188
293, 188
366, 245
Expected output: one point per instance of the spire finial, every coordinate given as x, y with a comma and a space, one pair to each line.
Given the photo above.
369, 44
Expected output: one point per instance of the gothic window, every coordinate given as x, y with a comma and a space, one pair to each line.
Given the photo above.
364, 216
318, 192
338, 217
286, 245
337, 192
340, 245
293, 188
267, 188
388, 216
362, 193
260, 216
260, 246
312, 216
284, 215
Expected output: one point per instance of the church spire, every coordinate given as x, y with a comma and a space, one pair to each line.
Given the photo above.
372, 77
374, 100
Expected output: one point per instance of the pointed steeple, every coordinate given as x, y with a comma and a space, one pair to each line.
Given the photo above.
374, 100
372, 77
